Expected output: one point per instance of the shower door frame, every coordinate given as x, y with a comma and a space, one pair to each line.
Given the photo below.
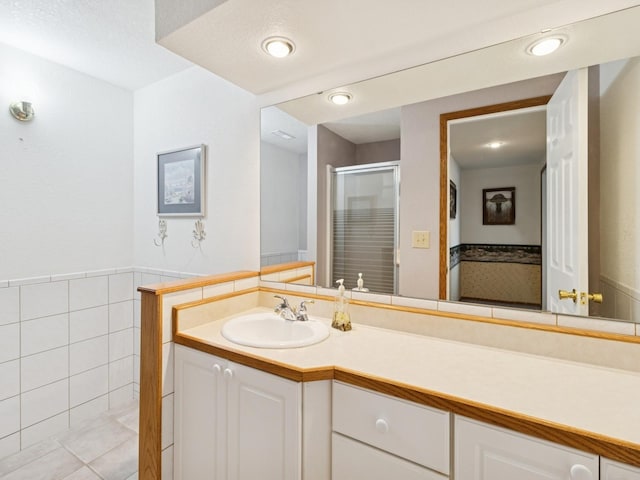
369, 167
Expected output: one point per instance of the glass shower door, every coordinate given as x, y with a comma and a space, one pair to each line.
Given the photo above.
364, 225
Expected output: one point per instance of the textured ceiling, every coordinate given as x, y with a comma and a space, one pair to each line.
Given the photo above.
338, 41
341, 41
112, 40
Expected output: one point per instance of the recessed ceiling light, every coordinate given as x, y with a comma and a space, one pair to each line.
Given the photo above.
340, 98
545, 46
495, 145
278, 47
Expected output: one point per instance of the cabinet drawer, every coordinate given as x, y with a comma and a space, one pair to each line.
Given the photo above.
406, 429
354, 460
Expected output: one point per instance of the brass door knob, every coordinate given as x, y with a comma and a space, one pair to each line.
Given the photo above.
564, 294
594, 297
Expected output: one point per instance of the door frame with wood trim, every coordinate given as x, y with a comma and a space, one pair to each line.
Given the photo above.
444, 170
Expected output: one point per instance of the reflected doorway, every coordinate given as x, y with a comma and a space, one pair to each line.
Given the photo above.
493, 157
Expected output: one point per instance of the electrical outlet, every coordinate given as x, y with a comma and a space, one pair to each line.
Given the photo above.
420, 239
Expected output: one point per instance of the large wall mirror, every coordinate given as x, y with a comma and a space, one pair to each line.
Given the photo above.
437, 182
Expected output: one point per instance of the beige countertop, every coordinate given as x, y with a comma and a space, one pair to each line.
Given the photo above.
593, 408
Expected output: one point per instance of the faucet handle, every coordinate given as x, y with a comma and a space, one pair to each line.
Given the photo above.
302, 311
285, 302
303, 305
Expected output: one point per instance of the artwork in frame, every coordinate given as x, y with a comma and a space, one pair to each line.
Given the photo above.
453, 199
499, 206
181, 182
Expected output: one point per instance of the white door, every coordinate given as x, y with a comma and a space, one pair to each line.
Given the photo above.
200, 414
485, 452
264, 427
567, 163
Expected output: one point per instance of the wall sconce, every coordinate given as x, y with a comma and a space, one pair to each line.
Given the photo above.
22, 111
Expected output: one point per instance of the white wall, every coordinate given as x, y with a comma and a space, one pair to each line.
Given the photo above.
526, 230
420, 202
619, 195
66, 305
190, 108
66, 177
280, 202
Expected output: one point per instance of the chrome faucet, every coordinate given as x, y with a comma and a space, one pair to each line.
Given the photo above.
290, 313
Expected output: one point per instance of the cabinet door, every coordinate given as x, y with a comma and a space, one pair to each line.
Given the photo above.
199, 422
610, 470
485, 452
353, 460
264, 427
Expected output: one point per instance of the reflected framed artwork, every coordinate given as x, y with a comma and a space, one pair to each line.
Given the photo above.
453, 199
181, 182
499, 206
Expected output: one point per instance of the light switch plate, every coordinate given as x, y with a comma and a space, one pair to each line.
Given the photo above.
420, 239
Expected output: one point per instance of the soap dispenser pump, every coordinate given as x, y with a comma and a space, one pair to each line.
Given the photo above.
341, 319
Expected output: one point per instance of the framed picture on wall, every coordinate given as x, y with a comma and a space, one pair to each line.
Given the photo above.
453, 199
499, 206
181, 182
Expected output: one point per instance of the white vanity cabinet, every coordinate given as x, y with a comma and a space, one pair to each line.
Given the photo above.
378, 437
234, 422
485, 452
610, 470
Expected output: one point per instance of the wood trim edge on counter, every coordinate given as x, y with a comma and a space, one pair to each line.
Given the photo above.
269, 366
561, 434
150, 443
281, 267
150, 426
611, 448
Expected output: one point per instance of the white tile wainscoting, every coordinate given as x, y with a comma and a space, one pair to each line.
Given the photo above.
69, 350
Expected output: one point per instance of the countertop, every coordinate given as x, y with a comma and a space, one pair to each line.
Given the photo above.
588, 407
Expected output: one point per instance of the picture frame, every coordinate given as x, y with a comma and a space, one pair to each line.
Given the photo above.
499, 206
453, 199
181, 182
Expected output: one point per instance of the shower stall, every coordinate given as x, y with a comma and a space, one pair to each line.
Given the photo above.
363, 225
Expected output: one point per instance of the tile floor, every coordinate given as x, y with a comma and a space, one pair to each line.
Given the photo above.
104, 448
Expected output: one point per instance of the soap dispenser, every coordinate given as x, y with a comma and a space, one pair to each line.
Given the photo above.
360, 284
341, 319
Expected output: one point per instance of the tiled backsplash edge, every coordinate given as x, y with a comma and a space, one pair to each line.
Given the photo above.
494, 313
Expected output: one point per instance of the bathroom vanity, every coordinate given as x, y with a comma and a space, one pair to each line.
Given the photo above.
376, 403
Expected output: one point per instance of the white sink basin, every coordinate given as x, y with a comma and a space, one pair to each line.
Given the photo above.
269, 330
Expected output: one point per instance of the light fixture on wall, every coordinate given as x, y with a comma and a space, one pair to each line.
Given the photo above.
278, 47
22, 111
547, 45
340, 98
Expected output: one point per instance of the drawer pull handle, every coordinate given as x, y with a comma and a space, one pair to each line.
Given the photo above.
580, 472
382, 426
216, 368
228, 373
